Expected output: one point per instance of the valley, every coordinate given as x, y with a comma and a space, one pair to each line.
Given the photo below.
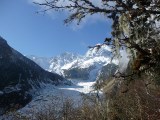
51, 81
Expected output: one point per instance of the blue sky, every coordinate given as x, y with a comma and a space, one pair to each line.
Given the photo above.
45, 34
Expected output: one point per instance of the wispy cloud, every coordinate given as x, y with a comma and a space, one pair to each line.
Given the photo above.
90, 19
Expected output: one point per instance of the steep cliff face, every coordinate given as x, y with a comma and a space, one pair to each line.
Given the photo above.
19, 75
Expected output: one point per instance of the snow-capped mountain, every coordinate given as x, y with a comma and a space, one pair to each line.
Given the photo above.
89, 66
57, 62
73, 66
104, 51
54, 64
18, 76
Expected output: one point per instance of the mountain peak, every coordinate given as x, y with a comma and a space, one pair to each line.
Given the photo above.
5, 49
2, 41
103, 51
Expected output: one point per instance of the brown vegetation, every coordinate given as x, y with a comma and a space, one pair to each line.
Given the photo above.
139, 102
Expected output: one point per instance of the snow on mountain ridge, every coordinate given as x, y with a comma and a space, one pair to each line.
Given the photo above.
69, 64
92, 57
56, 63
103, 51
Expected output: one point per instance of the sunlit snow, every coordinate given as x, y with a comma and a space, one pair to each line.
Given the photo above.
54, 94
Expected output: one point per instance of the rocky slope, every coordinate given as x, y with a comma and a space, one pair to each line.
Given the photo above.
18, 76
